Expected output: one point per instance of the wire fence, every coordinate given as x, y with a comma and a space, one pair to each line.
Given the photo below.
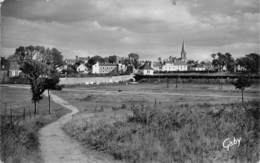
12, 113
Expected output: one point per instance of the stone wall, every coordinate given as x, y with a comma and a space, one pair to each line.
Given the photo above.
95, 80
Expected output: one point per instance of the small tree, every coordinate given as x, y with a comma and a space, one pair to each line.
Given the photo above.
35, 72
242, 83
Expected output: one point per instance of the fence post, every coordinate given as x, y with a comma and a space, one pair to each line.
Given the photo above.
29, 112
5, 112
11, 117
49, 100
24, 113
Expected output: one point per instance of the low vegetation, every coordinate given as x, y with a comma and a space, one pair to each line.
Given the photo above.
176, 134
19, 140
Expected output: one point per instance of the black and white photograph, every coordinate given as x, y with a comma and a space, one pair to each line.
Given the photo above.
129, 81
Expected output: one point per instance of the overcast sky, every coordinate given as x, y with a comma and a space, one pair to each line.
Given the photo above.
151, 28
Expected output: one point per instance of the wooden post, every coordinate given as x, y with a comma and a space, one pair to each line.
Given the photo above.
242, 96
49, 98
11, 116
176, 82
29, 112
35, 108
5, 112
24, 113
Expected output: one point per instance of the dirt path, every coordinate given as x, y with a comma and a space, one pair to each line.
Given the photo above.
58, 147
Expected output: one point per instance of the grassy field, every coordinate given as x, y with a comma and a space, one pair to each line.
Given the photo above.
19, 140
95, 97
153, 123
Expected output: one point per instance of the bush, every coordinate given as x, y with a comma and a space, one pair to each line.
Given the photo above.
181, 134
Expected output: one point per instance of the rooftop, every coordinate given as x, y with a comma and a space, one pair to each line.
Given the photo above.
146, 66
107, 64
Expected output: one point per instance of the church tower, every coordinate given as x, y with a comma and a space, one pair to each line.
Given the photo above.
183, 53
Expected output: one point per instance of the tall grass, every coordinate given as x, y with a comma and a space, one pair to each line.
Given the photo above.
180, 134
19, 141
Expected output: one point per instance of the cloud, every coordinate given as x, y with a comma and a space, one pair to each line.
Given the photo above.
243, 3
151, 28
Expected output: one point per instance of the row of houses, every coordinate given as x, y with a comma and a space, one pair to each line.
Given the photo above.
105, 68
178, 66
151, 68
98, 68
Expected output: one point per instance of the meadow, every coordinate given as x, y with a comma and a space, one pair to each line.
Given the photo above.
152, 123
19, 127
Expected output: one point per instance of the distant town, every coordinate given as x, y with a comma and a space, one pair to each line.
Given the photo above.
114, 65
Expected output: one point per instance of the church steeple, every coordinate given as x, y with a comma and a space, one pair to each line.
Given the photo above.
183, 52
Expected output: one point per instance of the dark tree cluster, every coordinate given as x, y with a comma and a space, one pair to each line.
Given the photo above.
225, 62
4, 64
250, 62
39, 53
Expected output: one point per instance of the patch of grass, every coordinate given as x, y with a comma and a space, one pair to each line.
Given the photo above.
20, 142
180, 134
123, 106
87, 98
158, 94
19, 138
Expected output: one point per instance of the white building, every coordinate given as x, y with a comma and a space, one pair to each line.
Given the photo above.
175, 66
14, 69
198, 68
82, 68
146, 69
157, 66
95, 68
121, 68
103, 68
61, 68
